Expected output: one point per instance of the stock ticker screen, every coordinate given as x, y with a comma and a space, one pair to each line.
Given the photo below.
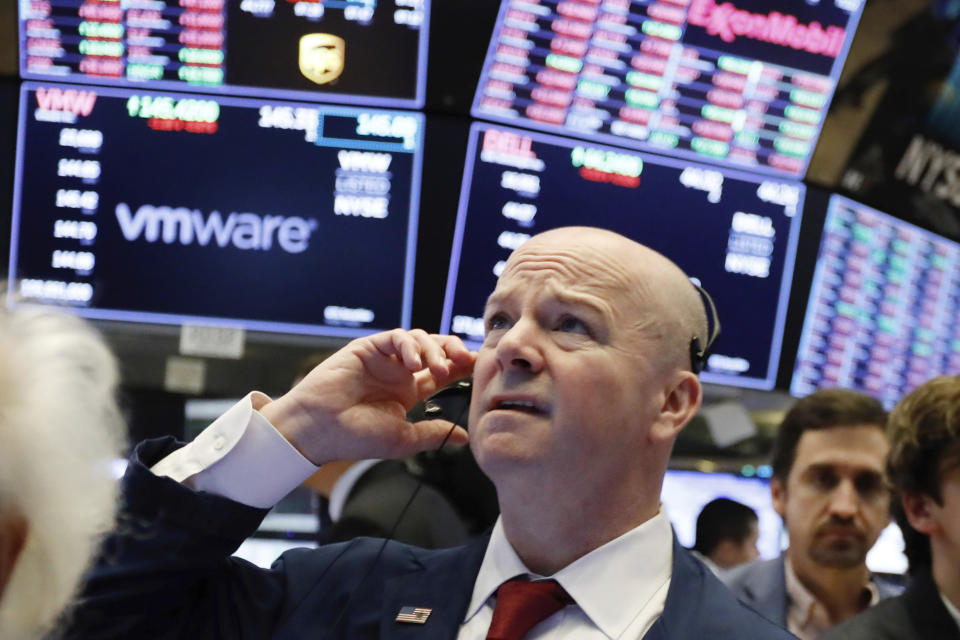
735, 232
169, 208
744, 83
347, 51
883, 307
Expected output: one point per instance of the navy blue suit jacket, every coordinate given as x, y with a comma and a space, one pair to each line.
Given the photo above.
166, 573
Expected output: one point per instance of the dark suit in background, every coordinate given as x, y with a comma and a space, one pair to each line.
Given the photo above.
374, 503
918, 614
168, 567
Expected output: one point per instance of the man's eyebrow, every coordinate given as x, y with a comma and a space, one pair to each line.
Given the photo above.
587, 301
838, 466
493, 299
821, 466
563, 298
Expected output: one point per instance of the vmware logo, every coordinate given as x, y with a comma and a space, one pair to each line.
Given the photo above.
244, 231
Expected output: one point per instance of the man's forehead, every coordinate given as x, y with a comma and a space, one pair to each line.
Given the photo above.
573, 275
842, 448
624, 275
542, 285
845, 436
618, 264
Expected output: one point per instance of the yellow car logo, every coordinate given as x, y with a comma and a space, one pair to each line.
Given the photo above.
321, 57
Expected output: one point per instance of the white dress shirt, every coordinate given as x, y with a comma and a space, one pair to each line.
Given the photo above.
261, 469
620, 588
807, 617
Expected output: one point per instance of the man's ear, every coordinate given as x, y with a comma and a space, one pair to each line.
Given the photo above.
681, 402
920, 510
13, 535
778, 495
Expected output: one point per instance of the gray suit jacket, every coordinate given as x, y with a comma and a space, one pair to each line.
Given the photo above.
762, 584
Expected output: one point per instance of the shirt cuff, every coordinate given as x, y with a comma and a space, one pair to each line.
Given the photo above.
241, 456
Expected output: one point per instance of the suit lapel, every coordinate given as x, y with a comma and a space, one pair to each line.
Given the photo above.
930, 618
656, 632
683, 597
444, 586
698, 606
766, 589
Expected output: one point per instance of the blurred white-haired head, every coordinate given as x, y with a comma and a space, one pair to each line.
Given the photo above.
59, 430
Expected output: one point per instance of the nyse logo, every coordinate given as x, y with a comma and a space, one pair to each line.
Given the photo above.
243, 231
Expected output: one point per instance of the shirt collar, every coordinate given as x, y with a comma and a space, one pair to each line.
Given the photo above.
611, 584
343, 486
805, 609
707, 562
803, 604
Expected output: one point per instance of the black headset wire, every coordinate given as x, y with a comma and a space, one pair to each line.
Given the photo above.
393, 532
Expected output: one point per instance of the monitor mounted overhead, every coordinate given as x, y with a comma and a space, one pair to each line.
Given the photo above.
352, 52
883, 307
736, 232
172, 208
744, 84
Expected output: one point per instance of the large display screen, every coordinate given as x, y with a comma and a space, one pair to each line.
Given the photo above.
349, 51
883, 307
744, 83
735, 232
161, 207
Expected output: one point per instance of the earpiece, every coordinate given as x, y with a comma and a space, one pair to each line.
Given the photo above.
697, 356
698, 352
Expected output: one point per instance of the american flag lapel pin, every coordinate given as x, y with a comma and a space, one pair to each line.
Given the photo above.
414, 615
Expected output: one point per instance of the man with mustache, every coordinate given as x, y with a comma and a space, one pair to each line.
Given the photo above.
587, 373
829, 488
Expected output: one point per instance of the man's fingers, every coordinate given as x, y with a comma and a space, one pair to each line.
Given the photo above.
435, 358
458, 361
453, 347
398, 439
430, 434
409, 350
428, 383
390, 348
445, 356
354, 404
458, 364
415, 349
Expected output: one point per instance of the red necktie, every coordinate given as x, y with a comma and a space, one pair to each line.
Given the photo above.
522, 604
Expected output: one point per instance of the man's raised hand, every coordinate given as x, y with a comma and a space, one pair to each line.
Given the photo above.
354, 404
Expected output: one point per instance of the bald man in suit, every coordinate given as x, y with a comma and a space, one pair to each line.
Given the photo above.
587, 373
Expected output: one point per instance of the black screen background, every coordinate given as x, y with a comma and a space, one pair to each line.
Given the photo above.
661, 213
351, 261
380, 56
